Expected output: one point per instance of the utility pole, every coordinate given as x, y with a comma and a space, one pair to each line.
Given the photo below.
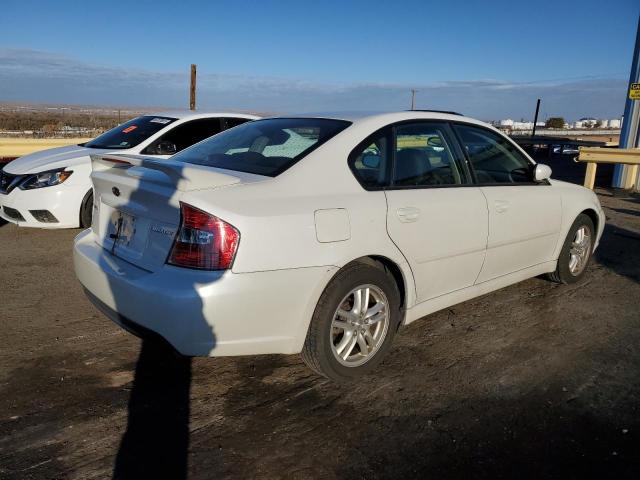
625, 176
413, 98
535, 119
192, 88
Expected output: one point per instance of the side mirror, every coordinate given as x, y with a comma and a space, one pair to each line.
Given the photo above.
541, 172
166, 148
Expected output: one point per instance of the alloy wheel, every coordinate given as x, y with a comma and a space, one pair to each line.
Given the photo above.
359, 325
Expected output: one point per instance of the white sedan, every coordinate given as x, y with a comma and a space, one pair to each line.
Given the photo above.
52, 188
324, 235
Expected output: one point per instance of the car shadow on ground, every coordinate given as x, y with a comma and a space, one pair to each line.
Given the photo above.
3, 222
619, 251
156, 441
627, 211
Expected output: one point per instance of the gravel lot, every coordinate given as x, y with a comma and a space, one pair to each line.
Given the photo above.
536, 381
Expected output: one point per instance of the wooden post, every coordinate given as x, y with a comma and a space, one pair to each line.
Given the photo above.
630, 178
192, 89
590, 176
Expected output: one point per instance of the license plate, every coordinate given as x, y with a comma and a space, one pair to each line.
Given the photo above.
123, 228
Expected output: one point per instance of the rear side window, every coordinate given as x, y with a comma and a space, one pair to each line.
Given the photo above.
183, 136
423, 156
131, 133
231, 122
494, 158
264, 147
369, 161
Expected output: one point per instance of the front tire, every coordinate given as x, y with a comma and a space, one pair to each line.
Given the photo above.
576, 251
354, 322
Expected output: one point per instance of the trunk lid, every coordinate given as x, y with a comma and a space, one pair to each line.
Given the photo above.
137, 203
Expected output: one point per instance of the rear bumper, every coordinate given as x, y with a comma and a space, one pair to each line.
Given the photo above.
203, 313
62, 201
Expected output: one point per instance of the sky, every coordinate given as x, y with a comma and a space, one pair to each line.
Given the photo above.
488, 59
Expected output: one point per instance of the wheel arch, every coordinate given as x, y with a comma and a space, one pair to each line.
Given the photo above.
592, 214
85, 199
401, 273
393, 269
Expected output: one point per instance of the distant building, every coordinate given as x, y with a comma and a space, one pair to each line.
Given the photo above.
508, 124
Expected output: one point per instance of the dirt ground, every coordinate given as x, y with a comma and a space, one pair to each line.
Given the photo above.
535, 381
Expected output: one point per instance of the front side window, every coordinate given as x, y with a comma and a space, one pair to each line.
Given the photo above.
131, 133
423, 156
264, 147
494, 158
183, 136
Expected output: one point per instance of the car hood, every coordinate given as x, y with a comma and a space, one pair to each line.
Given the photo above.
52, 158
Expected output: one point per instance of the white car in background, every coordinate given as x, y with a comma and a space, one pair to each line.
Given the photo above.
324, 235
52, 188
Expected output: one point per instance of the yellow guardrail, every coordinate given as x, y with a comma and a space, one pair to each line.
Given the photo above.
623, 156
17, 147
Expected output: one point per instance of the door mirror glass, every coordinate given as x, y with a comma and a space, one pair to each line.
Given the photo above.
371, 159
434, 142
541, 172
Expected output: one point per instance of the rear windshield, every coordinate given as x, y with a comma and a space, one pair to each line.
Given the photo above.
264, 147
131, 133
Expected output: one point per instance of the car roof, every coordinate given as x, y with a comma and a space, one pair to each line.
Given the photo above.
182, 114
388, 117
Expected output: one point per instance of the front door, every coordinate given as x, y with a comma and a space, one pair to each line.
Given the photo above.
524, 216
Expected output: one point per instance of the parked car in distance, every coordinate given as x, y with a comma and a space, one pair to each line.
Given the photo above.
324, 235
52, 188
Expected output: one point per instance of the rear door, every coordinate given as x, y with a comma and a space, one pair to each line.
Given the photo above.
524, 216
436, 217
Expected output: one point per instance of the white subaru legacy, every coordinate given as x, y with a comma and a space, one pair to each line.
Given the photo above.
324, 235
52, 188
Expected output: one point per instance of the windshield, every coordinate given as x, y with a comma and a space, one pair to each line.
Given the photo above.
264, 147
131, 133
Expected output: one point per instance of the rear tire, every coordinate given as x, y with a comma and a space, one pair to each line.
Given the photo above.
576, 251
86, 210
354, 323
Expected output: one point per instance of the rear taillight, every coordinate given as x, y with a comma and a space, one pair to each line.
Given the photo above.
203, 241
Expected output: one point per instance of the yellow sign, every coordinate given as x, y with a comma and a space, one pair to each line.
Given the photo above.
634, 91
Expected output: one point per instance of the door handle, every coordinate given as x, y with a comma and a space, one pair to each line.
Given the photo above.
408, 214
501, 205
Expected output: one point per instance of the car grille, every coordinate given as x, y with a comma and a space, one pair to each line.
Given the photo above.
8, 182
13, 213
44, 216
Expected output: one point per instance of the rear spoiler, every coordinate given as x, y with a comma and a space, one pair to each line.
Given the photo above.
184, 176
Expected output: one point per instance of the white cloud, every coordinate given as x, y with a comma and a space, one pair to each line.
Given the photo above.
38, 76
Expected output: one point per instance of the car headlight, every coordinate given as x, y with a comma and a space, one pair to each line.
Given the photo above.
46, 179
